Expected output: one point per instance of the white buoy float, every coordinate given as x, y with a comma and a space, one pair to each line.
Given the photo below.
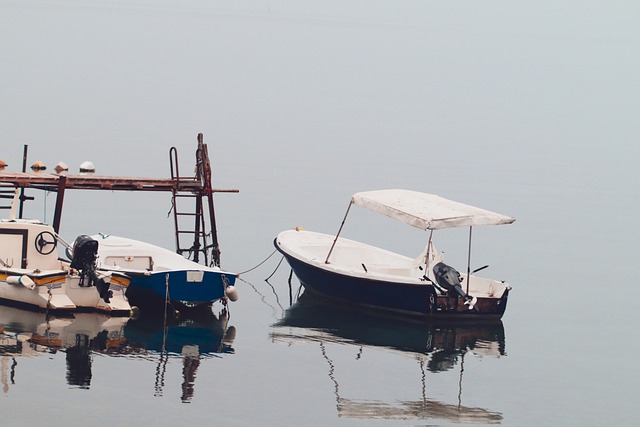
231, 293
21, 280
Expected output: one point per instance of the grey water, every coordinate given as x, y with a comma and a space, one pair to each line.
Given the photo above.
526, 109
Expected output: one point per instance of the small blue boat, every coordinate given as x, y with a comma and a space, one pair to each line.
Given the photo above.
159, 275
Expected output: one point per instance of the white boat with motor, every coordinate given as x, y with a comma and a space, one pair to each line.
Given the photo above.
32, 274
352, 272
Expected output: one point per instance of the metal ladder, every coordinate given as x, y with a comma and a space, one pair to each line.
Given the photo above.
204, 243
7, 193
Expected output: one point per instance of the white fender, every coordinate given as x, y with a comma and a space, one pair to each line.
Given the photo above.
231, 293
21, 280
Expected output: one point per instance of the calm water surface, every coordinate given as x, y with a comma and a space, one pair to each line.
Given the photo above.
528, 110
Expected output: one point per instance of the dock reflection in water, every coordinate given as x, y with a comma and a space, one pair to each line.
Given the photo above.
26, 333
437, 347
201, 335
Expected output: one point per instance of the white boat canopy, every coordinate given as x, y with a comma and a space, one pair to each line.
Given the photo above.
426, 211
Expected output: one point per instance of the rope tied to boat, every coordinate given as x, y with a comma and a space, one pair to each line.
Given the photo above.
265, 260
225, 284
166, 304
49, 299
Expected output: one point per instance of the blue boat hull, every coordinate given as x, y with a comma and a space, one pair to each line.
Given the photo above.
417, 300
150, 290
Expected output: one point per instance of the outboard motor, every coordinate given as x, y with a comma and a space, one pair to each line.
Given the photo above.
85, 254
449, 279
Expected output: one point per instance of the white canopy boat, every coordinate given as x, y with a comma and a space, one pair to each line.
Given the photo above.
357, 273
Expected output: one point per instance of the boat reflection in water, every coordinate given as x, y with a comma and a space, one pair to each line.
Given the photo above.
201, 335
29, 334
437, 347
26, 333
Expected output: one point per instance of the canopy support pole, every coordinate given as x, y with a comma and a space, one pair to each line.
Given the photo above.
326, 261
469, 260
426, 260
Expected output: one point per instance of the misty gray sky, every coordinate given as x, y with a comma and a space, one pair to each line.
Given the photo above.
478, 101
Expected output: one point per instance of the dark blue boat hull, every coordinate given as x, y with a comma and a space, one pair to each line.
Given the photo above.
419, 300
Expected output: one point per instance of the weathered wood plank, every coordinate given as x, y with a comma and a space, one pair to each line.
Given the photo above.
97, 182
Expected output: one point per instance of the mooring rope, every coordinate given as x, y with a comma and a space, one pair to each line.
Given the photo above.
265, 260
255, 289
166, 306
48, 301
274, 271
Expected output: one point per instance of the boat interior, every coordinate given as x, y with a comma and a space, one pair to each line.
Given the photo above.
356, 258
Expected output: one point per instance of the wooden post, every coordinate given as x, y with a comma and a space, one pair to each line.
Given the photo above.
57, 216
469, 260
24, 169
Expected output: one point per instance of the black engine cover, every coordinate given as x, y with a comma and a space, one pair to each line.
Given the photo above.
446, 276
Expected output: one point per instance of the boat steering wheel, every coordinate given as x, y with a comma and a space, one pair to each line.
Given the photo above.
44, 239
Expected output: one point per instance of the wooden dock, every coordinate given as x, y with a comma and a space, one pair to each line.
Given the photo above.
53, 182
198, 187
